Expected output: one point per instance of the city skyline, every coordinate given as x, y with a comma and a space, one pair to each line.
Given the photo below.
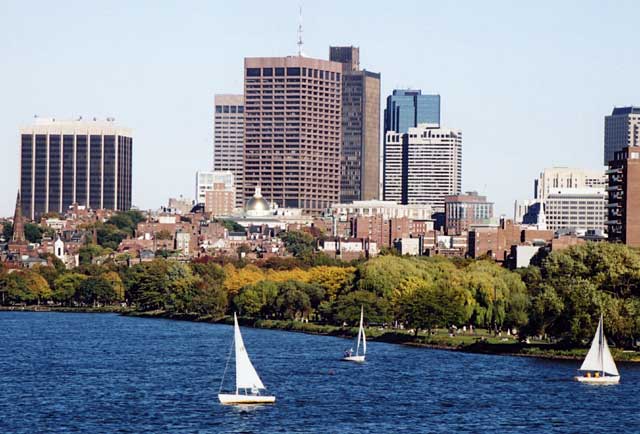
518, 112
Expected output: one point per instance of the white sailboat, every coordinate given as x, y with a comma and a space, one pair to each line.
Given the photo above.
357, 357
248, 383
598, 366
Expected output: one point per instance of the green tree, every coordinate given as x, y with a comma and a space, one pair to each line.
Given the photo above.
7, 230
441, 304
95, 290
257, 300
346, 308
66, 285
293, 301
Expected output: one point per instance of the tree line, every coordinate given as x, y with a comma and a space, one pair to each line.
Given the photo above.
560, 296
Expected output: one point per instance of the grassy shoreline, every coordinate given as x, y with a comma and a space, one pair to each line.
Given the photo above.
480, 343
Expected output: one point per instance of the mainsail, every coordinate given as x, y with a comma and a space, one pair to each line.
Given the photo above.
246, 375
599, 357
361, 335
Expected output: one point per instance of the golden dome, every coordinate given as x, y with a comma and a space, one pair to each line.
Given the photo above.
257, 203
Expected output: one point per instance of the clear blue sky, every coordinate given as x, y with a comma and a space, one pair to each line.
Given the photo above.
527, 83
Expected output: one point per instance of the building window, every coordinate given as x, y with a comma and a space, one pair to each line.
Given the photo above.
253, 72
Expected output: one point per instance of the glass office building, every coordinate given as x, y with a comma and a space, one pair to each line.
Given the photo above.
67, 162
408, 108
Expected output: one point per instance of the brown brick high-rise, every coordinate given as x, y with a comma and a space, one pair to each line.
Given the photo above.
624, 197
360, 127
292, 131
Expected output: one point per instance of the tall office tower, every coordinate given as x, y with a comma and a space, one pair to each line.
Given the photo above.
292, 131
228, 139
621, 129
205, 181
431, 165
360, 160
392, 174
555, 178
463, 210
624, 197
405, 109
409, 108
64, 162
423, 165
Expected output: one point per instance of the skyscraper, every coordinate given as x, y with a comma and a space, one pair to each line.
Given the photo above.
408, 108
360, 160
621, 129
64, 162
624, 197
423, 165
405, 109
228, 139
292, 131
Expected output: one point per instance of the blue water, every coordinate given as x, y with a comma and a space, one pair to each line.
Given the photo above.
107, 373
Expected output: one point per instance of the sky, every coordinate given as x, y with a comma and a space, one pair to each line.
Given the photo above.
528, 83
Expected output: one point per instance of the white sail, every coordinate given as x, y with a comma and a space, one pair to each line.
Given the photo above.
359, 333
364, 342
246, 375
599, 357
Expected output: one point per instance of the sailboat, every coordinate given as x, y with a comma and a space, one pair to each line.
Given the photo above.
361, 338
248, 383
598, 366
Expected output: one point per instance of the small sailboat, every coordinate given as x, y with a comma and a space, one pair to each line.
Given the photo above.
249, 387
598, 366
357, 357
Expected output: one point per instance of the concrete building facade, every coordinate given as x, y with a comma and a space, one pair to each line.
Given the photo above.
205, 181
431, 165
423, 165
623, 220
292, 131
555, 178
228, 139
62, 162
360, 157
220, 200
576, 209
463, 210
621, 129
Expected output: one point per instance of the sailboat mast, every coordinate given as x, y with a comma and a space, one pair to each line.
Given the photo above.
601, 338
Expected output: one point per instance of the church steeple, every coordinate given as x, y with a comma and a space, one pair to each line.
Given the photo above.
18, 223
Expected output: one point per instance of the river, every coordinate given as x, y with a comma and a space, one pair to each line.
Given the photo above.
68, 372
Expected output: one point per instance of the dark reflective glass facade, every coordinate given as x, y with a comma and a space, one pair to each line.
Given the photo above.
68, 176
109, 175
95, 171
54, 172
82, 155
26, 172
40, 175
58, 169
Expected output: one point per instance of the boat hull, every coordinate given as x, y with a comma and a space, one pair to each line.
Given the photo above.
599, 380
358, 359
232, 399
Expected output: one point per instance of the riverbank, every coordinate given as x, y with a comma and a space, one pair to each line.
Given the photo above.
480, 342
66, 309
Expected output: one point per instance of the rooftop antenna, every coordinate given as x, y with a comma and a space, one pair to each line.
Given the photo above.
300, 43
